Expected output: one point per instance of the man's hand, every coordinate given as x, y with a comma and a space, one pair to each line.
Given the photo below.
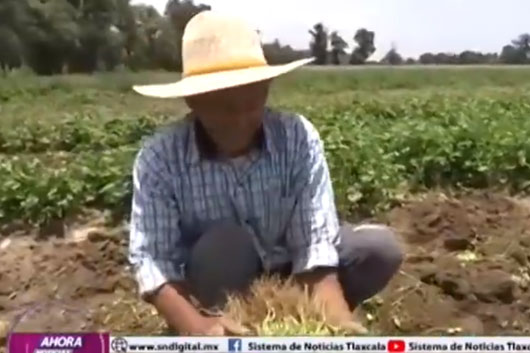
216, 326
172, 302
325, 287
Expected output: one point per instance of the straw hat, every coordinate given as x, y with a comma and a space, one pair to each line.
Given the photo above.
218, 52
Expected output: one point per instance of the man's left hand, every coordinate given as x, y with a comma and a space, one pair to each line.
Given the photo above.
325, 287
347, 324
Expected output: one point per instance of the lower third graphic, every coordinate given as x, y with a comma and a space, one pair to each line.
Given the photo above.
235, 345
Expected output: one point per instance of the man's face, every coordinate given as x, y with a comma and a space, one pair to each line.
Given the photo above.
231, 116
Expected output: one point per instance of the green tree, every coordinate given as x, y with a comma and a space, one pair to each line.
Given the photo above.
180, 12
127, 25
16, 26
392, 58
102, 39
166, 49
141, 50
439, 58
512, 55
446, 59
338, 47
276, 53
523, 43
427, 59
518, 52
365, 46
469, 57
319, 43
52, 36
11, 55
112, 50
14, 14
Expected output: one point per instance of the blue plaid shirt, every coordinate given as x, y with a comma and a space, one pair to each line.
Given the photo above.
282, 195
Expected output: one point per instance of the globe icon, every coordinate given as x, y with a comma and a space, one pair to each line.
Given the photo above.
119, 345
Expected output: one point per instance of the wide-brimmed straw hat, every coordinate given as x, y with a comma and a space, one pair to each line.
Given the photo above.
219, 51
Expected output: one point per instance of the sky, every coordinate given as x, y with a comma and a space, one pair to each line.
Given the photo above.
412, 26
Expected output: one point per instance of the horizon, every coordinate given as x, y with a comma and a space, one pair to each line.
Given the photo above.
413, 26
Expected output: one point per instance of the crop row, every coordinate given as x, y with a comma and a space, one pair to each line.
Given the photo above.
75, 134
84, 132
373, 157
373, 161
36, 190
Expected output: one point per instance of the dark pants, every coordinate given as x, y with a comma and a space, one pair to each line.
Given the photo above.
224, 260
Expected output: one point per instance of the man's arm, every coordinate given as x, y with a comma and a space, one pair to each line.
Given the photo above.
313, 232
155, 248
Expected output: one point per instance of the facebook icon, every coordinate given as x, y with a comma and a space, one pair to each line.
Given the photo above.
235, 345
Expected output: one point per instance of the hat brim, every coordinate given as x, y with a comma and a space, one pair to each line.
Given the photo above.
198, 84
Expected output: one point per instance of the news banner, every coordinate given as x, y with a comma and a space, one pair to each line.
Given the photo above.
107, 343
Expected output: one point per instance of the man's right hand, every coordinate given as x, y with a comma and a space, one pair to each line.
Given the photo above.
172, 302
215, 326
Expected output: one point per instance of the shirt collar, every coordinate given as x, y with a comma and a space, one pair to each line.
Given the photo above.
200, 146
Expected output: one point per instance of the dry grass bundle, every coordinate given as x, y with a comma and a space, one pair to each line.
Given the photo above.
277, 307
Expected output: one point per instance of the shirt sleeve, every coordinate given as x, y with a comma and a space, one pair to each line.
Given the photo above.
155, 247
312, 236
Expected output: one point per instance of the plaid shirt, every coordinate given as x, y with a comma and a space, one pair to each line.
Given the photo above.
282, 195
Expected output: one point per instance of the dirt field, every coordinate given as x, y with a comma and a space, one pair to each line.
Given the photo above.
466, 271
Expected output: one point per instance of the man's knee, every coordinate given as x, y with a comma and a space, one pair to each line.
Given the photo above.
382, 244
222, 236
223, 260
374, 244
370, 255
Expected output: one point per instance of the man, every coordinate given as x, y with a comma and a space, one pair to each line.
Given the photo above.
236, 190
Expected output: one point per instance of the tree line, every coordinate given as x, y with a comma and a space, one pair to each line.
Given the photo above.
330, 48
55, 36
69, 36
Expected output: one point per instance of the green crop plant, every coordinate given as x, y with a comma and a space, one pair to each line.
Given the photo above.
412, 131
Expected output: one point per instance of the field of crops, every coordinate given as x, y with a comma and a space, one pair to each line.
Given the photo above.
67, 143
67, 146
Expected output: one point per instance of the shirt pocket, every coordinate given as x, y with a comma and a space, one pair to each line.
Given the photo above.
279, 211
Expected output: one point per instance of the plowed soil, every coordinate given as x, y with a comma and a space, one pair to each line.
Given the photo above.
466, 272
